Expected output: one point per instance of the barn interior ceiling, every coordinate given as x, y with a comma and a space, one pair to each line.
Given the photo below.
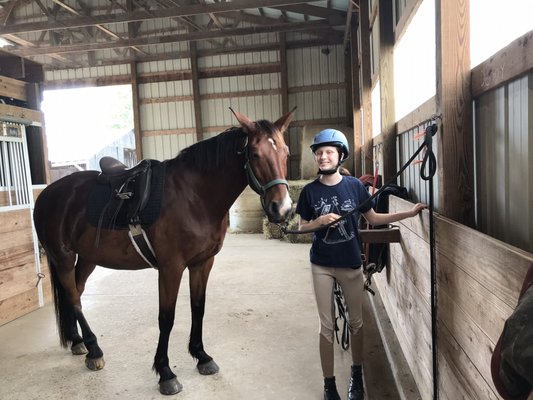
63, 34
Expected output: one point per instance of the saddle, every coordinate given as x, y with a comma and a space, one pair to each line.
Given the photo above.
132, 184
130, 192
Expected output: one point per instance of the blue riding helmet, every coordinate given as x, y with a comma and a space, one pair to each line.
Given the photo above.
331, 137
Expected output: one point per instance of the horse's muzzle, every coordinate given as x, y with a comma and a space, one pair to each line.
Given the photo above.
279, 211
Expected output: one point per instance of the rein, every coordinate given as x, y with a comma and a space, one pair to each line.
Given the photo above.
428, 156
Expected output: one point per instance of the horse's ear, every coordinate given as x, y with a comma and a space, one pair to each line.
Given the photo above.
283, 123
246, 123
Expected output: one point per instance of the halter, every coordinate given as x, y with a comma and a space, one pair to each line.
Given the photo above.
251, 178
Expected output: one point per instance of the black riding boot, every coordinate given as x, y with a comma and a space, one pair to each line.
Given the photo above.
330, 389
355, 388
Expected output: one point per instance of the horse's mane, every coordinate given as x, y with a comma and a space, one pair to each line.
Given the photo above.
213, 153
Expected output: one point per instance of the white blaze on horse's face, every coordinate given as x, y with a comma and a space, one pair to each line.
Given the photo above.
273, 143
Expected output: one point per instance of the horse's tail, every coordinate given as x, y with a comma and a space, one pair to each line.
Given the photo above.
65, 317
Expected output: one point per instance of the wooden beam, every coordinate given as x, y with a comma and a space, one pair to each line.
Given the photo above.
12, 88
333, 16
155, 40
386, 79
356, 99
196, 93
454, 102
418, 116
408, 13
366, 88
513, 61
136, 111
140, 15
284, 76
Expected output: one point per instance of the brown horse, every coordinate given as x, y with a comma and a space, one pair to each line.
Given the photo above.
200, 185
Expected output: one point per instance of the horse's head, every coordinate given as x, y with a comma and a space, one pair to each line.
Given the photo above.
266, 164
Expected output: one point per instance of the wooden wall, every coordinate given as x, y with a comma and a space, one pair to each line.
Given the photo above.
479, 279
18, 291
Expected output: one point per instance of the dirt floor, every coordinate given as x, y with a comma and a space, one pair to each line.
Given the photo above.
260, 327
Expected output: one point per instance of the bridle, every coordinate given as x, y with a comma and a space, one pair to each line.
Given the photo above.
253, 182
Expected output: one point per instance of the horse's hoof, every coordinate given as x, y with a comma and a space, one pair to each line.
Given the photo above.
172, 386
95, 364
78, 349
208, 368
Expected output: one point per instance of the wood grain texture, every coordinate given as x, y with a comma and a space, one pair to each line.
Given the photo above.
479, 279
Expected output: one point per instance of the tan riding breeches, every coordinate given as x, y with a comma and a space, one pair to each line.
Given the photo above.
351, 283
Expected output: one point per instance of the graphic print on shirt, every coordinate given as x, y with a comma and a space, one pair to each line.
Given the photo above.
335, 234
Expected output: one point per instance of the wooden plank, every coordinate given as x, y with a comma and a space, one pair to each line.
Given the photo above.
496, 265
12, 88
473, 342
454, 103
418, 116
16, 254
407, 15
15, 220
411, 321
356, 98
136, 111
163, 132
512, 61
35, 117
383, 235
386, 79
284, 75
18, 279
196, 92
459, 378
479, 279
18, 305
366, 89
477, 301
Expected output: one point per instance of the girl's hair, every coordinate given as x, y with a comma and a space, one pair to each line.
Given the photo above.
344, 171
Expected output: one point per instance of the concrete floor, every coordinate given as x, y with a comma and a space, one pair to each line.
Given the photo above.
260, 327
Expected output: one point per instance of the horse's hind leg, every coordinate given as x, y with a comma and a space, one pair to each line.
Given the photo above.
73, 283
198, 276
94, 360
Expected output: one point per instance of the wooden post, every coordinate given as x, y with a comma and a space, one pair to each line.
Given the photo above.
386, 79
454, 103
283, 73
366, 88
136, 111
196, 92
356, 100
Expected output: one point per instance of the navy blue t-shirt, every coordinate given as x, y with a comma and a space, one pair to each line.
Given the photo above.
335, 246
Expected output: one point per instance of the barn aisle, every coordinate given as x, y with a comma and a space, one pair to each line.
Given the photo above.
260, 327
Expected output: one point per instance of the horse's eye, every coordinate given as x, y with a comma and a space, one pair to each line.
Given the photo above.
255, 156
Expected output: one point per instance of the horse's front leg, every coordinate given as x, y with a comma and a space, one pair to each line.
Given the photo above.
169, 283
198, 276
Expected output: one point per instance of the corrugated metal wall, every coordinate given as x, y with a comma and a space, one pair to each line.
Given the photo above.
504, 167
315, 83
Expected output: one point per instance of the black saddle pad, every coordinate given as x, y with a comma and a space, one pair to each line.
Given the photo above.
115, 215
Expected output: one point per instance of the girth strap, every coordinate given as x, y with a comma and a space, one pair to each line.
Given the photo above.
142, 245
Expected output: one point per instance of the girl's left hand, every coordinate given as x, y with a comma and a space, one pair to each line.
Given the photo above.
417, 208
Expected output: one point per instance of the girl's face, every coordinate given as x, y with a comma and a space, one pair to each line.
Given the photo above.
327, 157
